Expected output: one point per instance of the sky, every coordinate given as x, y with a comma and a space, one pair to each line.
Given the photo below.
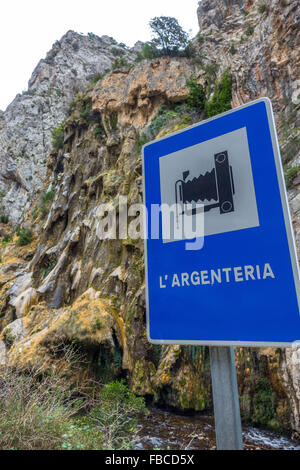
28, 28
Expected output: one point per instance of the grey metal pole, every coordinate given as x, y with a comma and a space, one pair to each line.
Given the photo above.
228, 426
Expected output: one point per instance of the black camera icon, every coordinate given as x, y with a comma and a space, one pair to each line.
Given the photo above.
216, 185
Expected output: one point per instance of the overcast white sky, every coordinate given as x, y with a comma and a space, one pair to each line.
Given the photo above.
28, 28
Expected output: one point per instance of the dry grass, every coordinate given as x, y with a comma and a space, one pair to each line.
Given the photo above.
47, 412
35, 408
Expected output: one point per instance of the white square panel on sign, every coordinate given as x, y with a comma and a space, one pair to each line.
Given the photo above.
184, 167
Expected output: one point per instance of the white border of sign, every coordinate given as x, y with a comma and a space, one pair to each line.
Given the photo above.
287, 220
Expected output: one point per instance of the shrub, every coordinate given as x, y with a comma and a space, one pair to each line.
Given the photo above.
4, 219
264, 403
211, 70
221, 100
168, 36
51, 263
46, 411
7, 238
117, 52
162, 118
31, 416
140, 141
86, 110
148, 51
25, 237
58, 136
48, 196
117, 415
81, 107
99, 131
37, 409
113, 122
119, 63
232, 49
250, 30
97, 77
196, 98
200, 38
262, 8
191, 52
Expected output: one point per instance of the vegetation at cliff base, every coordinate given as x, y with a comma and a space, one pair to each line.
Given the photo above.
249, 30
47, 412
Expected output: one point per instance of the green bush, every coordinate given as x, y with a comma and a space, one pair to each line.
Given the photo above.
119, 63
196, 98
97, 77
162, 118
99, 131
58, 135
7, 238
168, 36
262, 8
211, 70
48, 412
200, 38
148, 51
4, 219
221, 100
31, 418
250, 30
25, 237
140, 141
232, 49
264, 403
117, 415
50, 264
117, 52
86, 111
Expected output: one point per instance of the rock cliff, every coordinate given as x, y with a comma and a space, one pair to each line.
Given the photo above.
26, 125
70, 287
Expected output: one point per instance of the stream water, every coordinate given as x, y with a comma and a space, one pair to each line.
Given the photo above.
164, 430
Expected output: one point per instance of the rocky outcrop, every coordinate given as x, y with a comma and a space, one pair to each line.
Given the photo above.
26, 125
259, 42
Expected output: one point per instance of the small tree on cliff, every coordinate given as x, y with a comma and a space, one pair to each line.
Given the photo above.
168, 36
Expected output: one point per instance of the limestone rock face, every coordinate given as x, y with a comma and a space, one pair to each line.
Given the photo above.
136, 95
260, 47
26, 125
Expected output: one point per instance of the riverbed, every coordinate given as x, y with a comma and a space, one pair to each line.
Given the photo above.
165, 430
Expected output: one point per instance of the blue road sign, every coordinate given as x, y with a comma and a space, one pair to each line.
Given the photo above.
237, 283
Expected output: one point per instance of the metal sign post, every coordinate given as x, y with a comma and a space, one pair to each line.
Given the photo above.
226, 399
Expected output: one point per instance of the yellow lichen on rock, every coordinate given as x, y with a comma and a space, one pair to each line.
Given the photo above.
88, 322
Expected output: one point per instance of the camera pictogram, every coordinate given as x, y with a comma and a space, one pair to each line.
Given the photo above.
215, 185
